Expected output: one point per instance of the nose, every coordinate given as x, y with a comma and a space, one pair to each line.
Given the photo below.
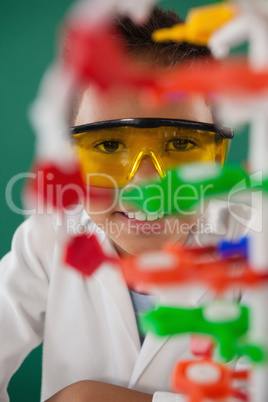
146, 166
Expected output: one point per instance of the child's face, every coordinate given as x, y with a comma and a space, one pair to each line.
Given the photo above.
130, 235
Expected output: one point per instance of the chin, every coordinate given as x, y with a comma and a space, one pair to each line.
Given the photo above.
140, 244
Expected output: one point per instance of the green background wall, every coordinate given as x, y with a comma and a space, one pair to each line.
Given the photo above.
28, 29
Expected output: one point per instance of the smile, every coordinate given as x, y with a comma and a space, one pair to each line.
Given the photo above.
142, 216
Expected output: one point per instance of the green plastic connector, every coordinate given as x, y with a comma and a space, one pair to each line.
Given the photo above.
227, 322
185, 186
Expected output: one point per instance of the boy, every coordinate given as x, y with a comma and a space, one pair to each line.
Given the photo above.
91, 344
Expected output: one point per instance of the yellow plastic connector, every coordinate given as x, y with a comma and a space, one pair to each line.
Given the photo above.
200, 24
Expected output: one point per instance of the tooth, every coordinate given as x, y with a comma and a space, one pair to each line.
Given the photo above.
131, 215
140, 216
152, 217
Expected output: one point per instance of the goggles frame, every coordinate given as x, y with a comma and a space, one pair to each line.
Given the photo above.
148, 122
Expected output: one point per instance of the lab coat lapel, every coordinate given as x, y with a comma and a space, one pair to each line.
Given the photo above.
182, 296
110, 277
151, 346
118, 295
115, 285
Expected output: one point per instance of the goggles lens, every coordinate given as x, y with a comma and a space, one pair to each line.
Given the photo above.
110, 156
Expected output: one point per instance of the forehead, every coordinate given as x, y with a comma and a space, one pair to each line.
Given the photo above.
97, 106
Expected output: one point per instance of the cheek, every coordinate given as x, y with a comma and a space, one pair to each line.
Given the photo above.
100, 200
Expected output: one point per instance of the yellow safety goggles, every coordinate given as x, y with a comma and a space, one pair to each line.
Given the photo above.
110, 152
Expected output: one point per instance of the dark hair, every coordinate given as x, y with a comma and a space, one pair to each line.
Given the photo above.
139, 44
138, 40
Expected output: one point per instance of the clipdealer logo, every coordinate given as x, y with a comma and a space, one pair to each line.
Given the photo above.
251, 198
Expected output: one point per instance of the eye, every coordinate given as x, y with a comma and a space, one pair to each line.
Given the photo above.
180, 144
110, 146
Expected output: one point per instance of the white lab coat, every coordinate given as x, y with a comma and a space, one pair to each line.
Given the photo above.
87, 325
